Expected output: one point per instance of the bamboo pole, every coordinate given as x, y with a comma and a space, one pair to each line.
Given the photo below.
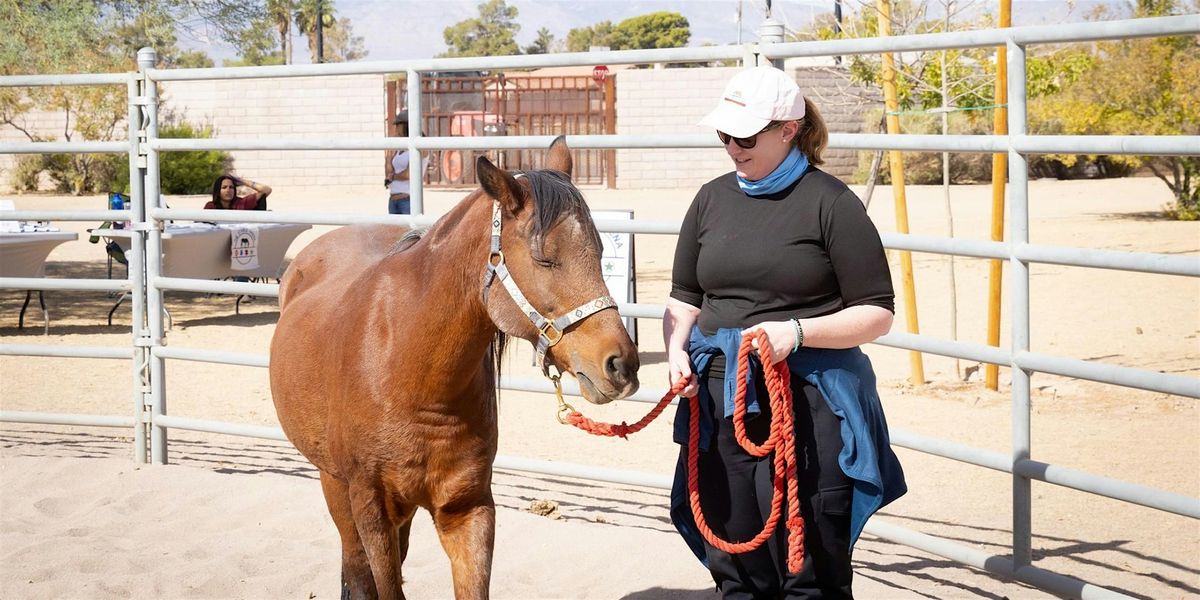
999, 173
896, 166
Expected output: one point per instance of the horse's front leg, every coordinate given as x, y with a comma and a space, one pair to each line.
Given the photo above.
378, 536
468, 536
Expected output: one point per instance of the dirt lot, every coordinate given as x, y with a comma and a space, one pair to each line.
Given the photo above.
68, 493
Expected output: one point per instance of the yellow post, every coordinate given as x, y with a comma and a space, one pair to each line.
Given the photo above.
896, 167
999, 173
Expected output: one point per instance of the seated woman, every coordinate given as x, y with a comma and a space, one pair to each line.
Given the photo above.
224, 194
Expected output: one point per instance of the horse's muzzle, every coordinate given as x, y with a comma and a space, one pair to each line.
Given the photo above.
619, 379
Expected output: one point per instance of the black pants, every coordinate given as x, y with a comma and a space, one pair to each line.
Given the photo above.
736, 490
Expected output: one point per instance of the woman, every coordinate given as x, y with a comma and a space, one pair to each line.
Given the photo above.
397, 172
224, 194
781, 247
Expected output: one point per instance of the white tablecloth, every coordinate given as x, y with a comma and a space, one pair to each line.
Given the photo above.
201, 251
24, 254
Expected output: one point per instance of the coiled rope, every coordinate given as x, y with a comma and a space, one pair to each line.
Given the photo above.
782, 440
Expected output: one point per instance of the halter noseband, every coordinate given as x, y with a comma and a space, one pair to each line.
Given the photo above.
550, 331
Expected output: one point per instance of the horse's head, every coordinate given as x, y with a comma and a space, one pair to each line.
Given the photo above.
548, 260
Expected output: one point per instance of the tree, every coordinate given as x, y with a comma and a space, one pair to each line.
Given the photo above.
194, 59
492, 33
61, 37
92, 36
653, 30
280, 13
660, 29
306, 21
1132, 87
581, 39
968, 73
341, 45
256, 45
543, 43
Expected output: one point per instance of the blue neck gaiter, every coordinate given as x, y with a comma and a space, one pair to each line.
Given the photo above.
784, 175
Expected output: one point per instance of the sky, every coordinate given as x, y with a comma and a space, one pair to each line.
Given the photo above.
411, 29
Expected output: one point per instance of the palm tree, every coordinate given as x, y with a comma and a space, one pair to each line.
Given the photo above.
280, 12
306, 20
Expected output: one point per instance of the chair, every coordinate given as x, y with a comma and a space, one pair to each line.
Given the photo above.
111, 247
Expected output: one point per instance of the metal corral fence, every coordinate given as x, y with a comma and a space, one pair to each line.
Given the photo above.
148, 354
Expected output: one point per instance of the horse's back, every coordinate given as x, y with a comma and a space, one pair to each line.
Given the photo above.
338, 257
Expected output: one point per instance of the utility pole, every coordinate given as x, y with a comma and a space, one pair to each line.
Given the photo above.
837, 25
739, 22
320, 32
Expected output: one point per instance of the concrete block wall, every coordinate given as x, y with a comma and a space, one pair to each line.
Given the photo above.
845, 108
668, 101
674, 100
648, 101
303, 107
41, 123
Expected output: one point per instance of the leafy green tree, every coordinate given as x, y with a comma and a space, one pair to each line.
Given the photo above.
919, 75
256, 45
660, 29
62, 37
92, 36
280, 13
581, 39
1132, 87
543, 43
341, 45
190, 172
194, 59
492, 33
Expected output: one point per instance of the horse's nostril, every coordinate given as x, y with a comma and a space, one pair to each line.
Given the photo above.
620, 369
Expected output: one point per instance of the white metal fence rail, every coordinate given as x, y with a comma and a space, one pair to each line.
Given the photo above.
148, 354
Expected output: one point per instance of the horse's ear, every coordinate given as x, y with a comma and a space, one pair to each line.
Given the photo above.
559, 156
499, 184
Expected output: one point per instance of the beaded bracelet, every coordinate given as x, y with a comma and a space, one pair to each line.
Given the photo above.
799, 334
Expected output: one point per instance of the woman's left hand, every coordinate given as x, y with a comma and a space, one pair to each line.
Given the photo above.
780, 334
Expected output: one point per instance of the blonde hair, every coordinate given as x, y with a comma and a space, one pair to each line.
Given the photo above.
813, 136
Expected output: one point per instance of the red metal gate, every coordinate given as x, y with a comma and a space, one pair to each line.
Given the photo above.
514, 105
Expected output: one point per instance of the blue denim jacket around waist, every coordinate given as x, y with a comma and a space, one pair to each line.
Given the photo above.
846, 381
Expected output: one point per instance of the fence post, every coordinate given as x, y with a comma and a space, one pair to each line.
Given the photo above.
1018, 176
136, 269
771, 32
416, 165
152, 228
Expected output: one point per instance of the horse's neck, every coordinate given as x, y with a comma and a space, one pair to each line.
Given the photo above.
454, 253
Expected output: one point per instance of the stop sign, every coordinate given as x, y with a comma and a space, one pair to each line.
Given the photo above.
599, 73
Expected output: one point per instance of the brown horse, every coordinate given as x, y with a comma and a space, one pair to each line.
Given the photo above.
385, 358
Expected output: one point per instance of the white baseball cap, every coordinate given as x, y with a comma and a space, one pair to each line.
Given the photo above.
752, 99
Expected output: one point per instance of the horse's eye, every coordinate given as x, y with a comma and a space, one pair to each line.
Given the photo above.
546, 262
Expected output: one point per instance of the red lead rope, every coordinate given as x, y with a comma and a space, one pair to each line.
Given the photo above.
782, 438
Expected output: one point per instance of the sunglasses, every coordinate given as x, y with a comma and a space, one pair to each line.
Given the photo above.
746, 142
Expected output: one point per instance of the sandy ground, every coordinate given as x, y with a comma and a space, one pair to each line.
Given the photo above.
240, 518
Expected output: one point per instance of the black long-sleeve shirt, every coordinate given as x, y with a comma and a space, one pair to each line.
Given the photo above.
806, 251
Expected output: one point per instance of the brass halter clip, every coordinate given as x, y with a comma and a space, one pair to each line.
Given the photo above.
564, 409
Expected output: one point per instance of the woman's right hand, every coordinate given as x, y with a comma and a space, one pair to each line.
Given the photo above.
680, 366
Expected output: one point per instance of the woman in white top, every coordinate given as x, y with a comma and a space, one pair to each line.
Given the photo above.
397, 172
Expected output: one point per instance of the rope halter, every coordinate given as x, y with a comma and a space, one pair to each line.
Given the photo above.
550, 331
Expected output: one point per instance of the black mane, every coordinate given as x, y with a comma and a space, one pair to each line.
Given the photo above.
554, 197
